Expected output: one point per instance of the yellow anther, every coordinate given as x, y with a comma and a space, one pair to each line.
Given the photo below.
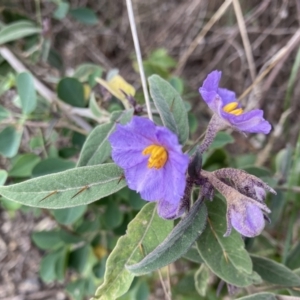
158, 156
237, 112
231, 108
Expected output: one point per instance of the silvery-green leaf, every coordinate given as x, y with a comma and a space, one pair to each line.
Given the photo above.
144, 233
96, 148
176, 244
70, 188
274, 272
225, 256
170, 107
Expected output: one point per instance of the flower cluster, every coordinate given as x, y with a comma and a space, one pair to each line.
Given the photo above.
155, 166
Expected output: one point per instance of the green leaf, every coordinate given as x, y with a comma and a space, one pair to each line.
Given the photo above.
274, 272
225, 256
177, 84
113, 217
78, 258
71, 91
193, 255
9, 205
221, 140
68, 216
257, 171
77, 289
52, 165
84, 15
67, 189
170, 107
176, 244
4, 113
94, 107
61, 10
144, 233
261, 296
70, 238
53, 265
201, 280
26, 91
10, 141
84, 71
3, 176
295, 291
17, 30
96, 148
47, 240
23, 165
293, 258
267, 296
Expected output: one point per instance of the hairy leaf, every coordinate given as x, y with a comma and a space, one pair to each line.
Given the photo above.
201, 280
144, 233
67, 189
225, 256
170, 107
96, 148
274, 272
176, 244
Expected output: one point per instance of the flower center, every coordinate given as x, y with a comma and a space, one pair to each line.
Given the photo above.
231, 108
158, 156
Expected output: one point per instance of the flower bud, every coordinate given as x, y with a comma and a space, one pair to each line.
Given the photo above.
245, 210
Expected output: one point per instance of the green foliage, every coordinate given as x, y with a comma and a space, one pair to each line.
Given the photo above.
201, 280
97, 149
71, 91
23, 165
10, 141
67, 189
225, 256
274, 272
84, 15
17, 30
26, 90
176, 244
145, 232
170, 106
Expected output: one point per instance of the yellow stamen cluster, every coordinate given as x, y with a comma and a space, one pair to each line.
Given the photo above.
158, 156
231, 108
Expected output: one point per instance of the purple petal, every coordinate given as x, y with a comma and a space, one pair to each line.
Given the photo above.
260, 193
167, 210
211, 83
209, 88
146, 181
248, 220
129, 158
126, 139
227, 96
251, 121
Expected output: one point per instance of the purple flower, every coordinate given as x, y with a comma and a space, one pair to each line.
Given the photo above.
245, 217
224, 104
153, 163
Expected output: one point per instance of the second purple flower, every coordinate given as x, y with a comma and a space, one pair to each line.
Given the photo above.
224, 104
